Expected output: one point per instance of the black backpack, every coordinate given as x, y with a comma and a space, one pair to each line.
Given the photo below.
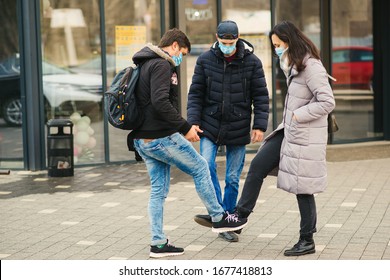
120, 100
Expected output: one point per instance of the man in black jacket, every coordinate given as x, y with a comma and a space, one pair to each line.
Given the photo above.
164, 139
228, 82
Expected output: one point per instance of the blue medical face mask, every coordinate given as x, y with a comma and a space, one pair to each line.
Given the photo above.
226, 49
177, 59
279, 51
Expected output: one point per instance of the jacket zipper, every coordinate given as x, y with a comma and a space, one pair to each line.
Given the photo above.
223, 98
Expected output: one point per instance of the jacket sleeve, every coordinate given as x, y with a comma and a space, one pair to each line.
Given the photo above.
318, 83
160, 84
260, 97
196, 94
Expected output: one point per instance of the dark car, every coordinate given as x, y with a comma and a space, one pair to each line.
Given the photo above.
64, 92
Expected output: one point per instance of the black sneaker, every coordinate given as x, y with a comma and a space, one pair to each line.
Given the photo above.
165, 250
203, 220
228, 236
229, 222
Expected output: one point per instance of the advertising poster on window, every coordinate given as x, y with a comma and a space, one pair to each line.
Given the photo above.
128, 40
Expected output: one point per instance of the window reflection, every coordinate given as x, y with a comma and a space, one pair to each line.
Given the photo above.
352, 66
71, 72
11, 143
129, 25
201, 26
305, 14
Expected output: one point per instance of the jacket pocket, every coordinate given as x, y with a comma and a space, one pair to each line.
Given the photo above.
213, 111
213, 92
240, 113
297, 133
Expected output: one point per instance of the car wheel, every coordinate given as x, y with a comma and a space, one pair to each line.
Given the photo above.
12, 111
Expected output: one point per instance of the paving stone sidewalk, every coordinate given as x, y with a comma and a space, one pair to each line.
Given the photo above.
101, 214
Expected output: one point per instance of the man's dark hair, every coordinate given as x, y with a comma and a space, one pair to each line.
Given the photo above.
175, 35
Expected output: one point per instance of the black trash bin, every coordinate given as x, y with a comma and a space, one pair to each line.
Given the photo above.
60, 148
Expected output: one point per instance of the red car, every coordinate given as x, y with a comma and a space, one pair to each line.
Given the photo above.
352, 66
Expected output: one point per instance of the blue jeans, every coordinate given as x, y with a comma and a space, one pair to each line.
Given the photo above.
159, 154
235, 158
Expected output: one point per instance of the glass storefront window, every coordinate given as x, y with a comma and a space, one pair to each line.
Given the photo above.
126, 33
305, 14
11, 143
201, 23
71, 72
352, 66
72, 52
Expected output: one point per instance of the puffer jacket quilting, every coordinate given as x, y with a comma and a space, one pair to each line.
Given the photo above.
157, 94
302, 167
222, 94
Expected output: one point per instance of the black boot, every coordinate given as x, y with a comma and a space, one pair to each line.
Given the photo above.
303, 247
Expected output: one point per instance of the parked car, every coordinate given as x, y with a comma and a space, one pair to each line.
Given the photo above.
94, 66
352, 66
64, 92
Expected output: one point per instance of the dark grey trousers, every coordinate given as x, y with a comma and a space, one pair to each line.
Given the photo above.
262, 164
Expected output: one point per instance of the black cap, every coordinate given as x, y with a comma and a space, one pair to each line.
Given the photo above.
227, 29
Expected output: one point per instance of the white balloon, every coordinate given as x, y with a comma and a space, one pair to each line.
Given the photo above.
82, 138
75, 117
86, 119
90, 131
82, 125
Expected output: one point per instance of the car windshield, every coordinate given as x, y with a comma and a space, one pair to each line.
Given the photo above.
11, 67
352, 55
50, 69
340, 56
361, 55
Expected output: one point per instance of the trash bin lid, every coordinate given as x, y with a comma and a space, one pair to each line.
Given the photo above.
59, 122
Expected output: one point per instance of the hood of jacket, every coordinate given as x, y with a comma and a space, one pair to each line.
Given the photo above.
149, 52
243, 48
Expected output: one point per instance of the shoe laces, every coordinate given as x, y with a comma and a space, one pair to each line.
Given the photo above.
231, 217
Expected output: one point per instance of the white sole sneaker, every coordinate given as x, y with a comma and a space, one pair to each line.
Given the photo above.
225, 229
167, 254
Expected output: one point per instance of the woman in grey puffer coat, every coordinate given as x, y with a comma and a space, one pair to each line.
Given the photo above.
298, 145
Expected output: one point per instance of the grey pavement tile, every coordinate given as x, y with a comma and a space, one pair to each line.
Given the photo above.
370, 257
20, 256
386, 254
30, 235
351, 256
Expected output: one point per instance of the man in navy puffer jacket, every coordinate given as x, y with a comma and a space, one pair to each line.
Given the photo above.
227, 86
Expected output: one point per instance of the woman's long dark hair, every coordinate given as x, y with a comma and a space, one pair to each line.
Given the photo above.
299, 45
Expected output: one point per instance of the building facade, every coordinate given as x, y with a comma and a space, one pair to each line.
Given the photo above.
58, 56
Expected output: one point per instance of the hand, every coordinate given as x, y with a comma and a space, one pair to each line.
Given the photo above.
192, 134
257, 135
